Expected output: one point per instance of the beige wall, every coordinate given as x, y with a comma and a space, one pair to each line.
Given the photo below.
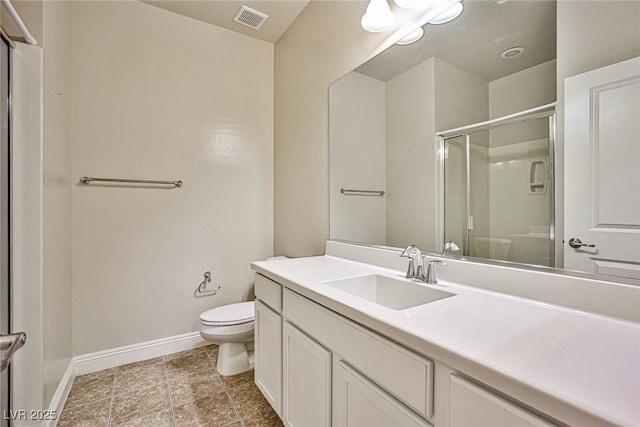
357, 158
31, 13
533, 87
411, 177
57, 97
323, 44
160, 96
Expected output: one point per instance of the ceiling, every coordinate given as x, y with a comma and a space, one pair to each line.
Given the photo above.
281, 13
475, 40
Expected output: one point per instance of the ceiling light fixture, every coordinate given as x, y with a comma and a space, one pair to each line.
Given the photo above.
409, 4
412, 37
378, 16
512, 52
448, 15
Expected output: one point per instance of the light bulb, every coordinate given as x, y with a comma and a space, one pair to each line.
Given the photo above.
448, 15
378, 16
412, 37
409, 4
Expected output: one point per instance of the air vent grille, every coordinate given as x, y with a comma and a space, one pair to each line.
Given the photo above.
250, 17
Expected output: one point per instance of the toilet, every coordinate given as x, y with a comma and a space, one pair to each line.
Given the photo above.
231, 327
493, 248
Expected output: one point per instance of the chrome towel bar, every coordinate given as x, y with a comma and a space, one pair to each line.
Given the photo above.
348, 192
88, 179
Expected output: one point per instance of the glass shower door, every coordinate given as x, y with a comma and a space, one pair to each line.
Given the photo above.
498, 191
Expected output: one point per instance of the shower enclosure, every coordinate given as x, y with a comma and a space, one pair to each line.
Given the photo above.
498, 188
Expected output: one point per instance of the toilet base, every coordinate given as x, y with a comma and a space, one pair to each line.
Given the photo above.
234, 358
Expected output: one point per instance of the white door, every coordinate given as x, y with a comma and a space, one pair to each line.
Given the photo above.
602, 170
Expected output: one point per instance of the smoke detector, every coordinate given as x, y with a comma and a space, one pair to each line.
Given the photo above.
250, 17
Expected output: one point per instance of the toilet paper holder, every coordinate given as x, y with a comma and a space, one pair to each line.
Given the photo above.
202, 290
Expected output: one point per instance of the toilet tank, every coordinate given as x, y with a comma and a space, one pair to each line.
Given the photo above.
492, 248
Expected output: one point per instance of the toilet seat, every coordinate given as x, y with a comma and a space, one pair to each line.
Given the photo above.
228, 315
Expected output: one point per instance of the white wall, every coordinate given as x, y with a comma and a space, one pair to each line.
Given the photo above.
161, 96
357, 158
411, 178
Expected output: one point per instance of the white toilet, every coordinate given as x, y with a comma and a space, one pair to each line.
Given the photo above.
231, 327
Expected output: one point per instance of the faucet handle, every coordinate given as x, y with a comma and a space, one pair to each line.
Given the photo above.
411, 273
431, 272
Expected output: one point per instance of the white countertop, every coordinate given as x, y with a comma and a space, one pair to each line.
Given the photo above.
586, 362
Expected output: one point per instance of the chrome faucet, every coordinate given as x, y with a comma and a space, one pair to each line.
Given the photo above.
450, 246
416, 263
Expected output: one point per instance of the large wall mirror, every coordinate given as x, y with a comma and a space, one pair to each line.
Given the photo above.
460, 137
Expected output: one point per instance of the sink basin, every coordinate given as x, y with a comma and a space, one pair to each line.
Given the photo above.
387, 291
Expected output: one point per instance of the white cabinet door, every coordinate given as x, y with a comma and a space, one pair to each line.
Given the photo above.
471, 405
307, 380
357, 402
268, 355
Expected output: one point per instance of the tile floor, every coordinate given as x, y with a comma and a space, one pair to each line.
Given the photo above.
181, 389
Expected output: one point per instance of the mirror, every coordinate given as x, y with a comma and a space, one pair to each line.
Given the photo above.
388, 183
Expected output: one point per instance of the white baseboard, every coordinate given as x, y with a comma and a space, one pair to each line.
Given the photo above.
111, 358
61, 394
93, 362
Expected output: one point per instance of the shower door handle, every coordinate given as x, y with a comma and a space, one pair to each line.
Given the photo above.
576, 243
11, 343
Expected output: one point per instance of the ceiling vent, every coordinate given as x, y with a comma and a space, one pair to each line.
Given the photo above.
250, 17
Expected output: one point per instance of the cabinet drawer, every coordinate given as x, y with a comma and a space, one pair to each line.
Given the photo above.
269, 292
402, 373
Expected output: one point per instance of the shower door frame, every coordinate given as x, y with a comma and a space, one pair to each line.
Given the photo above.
549, 111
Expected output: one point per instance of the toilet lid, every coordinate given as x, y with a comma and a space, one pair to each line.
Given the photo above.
231, 314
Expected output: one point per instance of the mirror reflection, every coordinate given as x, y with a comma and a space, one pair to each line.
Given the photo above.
495, 189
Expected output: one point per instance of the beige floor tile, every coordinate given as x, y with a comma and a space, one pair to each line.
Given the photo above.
186, 353
212, 351
210, 411
158, 419
143, 393
188, 365
94, 375
142, 376
90, 390
94, 414
253, 408
190, 388
139, 403
143, 364
237, 380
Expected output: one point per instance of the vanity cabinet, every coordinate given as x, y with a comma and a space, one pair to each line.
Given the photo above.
268, 341
306, 380
470, 404
358, 402
319, 368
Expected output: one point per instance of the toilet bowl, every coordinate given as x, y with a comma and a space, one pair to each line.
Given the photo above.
231, 327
